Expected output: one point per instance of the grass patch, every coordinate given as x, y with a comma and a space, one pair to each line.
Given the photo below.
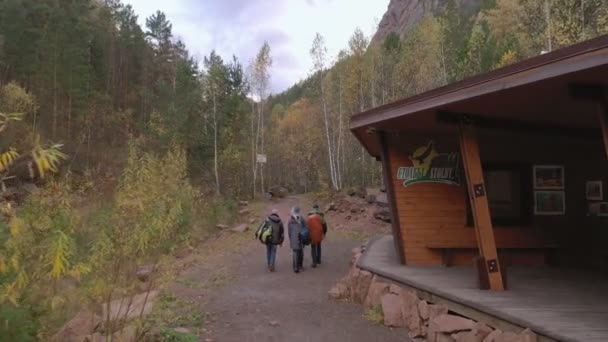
170, 335
375, 315
171, 312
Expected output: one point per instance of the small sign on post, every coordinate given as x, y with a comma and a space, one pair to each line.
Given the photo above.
261, 158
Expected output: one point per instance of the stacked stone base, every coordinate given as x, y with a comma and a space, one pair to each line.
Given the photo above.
402, 307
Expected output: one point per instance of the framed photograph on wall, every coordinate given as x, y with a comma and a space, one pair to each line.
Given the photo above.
549, 177
549, 203
603, 209
594, 191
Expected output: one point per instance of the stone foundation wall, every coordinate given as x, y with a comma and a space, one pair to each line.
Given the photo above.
402, 307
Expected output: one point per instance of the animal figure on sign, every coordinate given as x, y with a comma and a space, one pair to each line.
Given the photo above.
423, 157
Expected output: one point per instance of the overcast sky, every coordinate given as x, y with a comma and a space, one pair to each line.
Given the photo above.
240, 27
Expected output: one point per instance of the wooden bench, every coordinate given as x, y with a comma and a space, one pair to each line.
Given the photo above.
447, 248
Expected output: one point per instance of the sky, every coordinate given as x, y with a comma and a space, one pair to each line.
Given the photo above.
240, 27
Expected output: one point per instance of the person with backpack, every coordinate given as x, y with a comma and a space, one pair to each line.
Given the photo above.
271, 233
297, 231
317, 227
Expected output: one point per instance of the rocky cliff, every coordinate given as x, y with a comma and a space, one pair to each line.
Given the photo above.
402, 15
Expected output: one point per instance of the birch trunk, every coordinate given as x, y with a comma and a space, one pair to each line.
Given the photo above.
215, 159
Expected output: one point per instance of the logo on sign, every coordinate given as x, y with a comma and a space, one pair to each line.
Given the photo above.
429, 166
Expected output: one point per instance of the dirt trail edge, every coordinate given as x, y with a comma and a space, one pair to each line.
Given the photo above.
256, 305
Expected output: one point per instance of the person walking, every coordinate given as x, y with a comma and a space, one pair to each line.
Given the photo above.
275, 240
318, 228
295, 226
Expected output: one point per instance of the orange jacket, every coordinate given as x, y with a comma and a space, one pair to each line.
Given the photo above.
315, 227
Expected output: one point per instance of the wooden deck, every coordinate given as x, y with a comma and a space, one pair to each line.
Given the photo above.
557, 304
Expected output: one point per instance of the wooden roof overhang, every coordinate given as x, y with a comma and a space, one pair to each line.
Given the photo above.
554, 92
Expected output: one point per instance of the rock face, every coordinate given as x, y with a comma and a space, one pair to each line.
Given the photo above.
391, 308
403, 15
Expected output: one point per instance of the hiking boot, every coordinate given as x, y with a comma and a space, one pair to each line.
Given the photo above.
314, 265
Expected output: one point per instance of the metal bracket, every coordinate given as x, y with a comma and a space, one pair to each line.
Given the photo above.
492, 266
479, 190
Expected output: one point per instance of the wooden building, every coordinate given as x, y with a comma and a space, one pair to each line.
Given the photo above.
510, 166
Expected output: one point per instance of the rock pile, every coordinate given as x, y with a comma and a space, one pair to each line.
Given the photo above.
402, 307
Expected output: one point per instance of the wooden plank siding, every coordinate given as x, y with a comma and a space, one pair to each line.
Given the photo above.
438, 212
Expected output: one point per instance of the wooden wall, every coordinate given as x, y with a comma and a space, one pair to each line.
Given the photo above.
438, 212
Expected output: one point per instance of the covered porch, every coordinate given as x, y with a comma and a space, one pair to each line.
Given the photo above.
558, 304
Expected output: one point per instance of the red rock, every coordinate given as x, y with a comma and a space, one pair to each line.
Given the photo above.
451, 324
363, 284
423, 309
391, 308
437, 310
339, 291
374, 294
478, 334
493, 336
508, 336
409, 311
528, 336
396, 289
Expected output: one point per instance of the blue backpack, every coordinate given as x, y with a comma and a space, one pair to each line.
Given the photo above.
305, 235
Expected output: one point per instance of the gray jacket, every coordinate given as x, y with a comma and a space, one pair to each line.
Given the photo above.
294, 227
277, 229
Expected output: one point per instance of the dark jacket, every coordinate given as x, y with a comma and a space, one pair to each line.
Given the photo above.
278, 232
295, 225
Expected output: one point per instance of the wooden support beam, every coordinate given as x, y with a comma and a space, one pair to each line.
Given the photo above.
602, 113
500, 124
469, 149
387, 173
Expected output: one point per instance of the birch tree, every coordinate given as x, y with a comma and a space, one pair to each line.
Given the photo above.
260, 79
318, 52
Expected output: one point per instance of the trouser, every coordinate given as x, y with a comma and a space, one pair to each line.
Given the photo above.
271, 254
315, 252
298, 259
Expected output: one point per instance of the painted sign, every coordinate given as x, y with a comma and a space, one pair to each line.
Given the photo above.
429, 166
261, 158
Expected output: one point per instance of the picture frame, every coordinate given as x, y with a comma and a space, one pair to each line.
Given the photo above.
549, 203
549, 177
603, 209
598, 209
594, 191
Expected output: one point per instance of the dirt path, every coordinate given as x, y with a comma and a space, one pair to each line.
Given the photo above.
296, 304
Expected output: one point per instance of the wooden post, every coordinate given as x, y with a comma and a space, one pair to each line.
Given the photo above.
602, 113
469, 149
390, 195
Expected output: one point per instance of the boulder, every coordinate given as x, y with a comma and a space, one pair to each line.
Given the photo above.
437, 310
143, 273
493, 336
83, 324
371, 199
423, 310
356, 250
252, 220
363, 283
391, 309
221, 226
375, 292
339, 291
182, 330
243, 203
396, 289
451, 324
442, 337
331, 207
244, 211
129, 308
478, 334
241, 228
409, 311
355, 259
528, 336
508, 336
361, 193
